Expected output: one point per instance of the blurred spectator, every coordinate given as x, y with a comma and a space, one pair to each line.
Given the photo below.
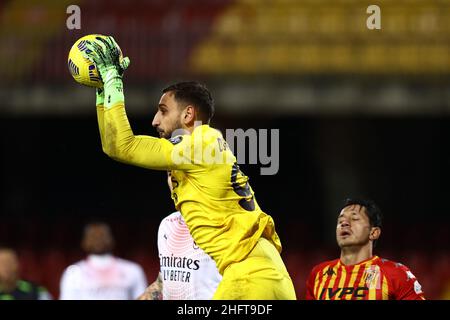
101, 276
11, 286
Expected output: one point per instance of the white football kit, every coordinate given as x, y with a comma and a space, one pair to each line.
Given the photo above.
102, 277
187, 272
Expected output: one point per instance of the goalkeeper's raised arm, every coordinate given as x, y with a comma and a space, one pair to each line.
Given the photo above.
118, 140
209, 189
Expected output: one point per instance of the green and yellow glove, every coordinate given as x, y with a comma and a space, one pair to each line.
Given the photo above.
99, 97
107, 56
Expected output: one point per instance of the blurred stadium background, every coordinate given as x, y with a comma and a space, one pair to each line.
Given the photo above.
361, 113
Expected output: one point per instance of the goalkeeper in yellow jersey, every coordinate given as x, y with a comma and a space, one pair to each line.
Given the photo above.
209, 190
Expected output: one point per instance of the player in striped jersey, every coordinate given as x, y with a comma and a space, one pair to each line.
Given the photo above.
358, 274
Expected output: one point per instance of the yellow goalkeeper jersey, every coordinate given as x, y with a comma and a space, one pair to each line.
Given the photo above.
209, 189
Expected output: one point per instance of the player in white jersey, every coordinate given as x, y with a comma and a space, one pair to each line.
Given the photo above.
101, 276
186, 271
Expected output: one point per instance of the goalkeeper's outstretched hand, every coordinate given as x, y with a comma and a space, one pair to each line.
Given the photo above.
105, 53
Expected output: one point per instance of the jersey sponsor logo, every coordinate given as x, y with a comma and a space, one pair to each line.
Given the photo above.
176, 139
176, 275
358, 292
178, 262
178, 268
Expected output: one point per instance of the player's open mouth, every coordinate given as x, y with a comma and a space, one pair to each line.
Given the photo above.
345, 233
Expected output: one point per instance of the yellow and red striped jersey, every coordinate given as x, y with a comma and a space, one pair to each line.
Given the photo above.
371, 279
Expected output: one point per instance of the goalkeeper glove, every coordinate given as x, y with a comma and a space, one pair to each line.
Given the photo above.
106, 55
99, 97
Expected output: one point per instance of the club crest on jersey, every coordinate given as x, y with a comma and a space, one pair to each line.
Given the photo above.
372, 277
176, 139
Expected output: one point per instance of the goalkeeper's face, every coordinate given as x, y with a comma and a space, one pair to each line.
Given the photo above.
169, 116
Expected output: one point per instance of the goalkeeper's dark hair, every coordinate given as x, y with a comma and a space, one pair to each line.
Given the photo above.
196, 94
373, 212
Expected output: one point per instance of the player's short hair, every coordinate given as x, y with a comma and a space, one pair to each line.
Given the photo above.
7, 248
96, 223
372, 210
195, 93
4, 247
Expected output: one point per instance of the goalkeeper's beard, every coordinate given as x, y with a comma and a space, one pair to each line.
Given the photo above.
167, 134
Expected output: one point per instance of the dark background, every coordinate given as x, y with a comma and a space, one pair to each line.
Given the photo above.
55, 178
361, 113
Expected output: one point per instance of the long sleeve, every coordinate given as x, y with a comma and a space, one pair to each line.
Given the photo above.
100, 120
121, 144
